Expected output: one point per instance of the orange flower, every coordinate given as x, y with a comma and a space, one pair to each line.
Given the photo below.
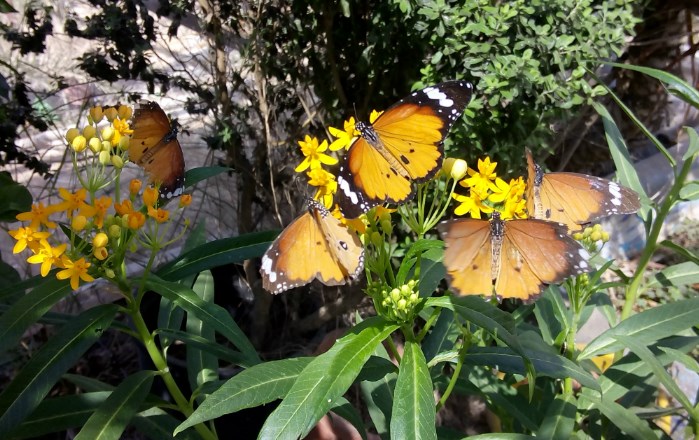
76, 271
39, 215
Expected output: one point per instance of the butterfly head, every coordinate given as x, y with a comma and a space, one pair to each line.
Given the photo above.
367, 132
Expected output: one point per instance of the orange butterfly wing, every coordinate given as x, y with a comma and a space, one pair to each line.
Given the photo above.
534, 253
155, 148
468, 255
403, 145
314, 246
575, 199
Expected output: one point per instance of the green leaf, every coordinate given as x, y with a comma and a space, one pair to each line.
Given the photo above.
552, 315
623, 418
378, 396
625, 171
40, 373
414, 413
5, 7
345, 410
559, 420
15, 198
690, 191
213, 315
442, 336
28, 309
196, 175
432, 271
502, 436
658, 370
112, 417
681, 274
257, 385
646, 327
208, 345
218, 253
327, 377
545, 364
693, 148
202, 366
60, 413
157, 424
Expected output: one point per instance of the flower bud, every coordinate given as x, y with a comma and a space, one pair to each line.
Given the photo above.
395, 295
105, 158
605, 236
100, 240
109, 273
95, 145
79, 144
185, 200
71, 134
578, 236
124, 143
124, 112
115, 231
135, 186
118, 162
455, 168
596, 235
96, 114
150, 196
107, 133
78, 223
89, 131
111, 113
100, 253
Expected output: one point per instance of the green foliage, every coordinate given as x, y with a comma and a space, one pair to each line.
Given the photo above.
527, 60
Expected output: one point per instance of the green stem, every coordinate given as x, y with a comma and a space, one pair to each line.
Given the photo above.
161, 365
454, 377
430, 321
393, 350
652, 241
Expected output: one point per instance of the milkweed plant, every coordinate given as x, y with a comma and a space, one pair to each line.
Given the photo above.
420, 347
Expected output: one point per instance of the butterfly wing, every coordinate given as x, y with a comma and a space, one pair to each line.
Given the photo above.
575, 199
155, 148
403, 145
468, 255
314, 246
534, 253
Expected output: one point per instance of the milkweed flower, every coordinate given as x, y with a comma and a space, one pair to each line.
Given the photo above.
39, 215
27, 238
76, 271
326, 184
48, 256
343, 138
314, 154
471, 204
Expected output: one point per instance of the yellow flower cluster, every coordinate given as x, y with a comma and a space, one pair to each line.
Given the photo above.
99, 229
488, 192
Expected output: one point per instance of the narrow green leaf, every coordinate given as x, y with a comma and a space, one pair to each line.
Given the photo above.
257, 385
681, 274
559, 420
202, 366
658, 370
112, 417
327, 377
218, 253
60, 413
378, 396
690, 191
28, 309
551, 314
682, 358
432, 271
196, 175
345, 410
545, 364
208, 345
157, 424
442, 336
623, 418
502, 436
212, 314
679, 250
646, 327
41, 372
693, 148
622, 160
414, 413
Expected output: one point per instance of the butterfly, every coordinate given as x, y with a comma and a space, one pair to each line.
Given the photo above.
404, 145
575, 199
155, 148
314, 246
517, 256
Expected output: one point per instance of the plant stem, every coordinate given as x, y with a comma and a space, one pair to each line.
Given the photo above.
454, 377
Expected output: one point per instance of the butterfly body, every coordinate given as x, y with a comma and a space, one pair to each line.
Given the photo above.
314, 246
155, 148
575, 199
404, 145
515, 258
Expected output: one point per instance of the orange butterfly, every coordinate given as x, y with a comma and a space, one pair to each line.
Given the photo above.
155, 148
517, 256
314, 246
575, 199
404, 145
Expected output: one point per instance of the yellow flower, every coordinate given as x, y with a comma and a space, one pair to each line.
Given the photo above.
150, 196
121, 128
39, 215
160, 215
74, 201
326, 184
471, 204
123, 208
79, 222
514, 208
374, 116
480, 181
79, 143
76, 271
343, 138
27, 237
100, 240
100, 253
185, 200
101, 206
314, 155
501, 191
356, 224
48, 256
135, 220
135, 186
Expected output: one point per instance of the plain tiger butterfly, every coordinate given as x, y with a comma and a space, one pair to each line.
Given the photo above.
314, 246
155, 148
517, 257
575, 199
404, 145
